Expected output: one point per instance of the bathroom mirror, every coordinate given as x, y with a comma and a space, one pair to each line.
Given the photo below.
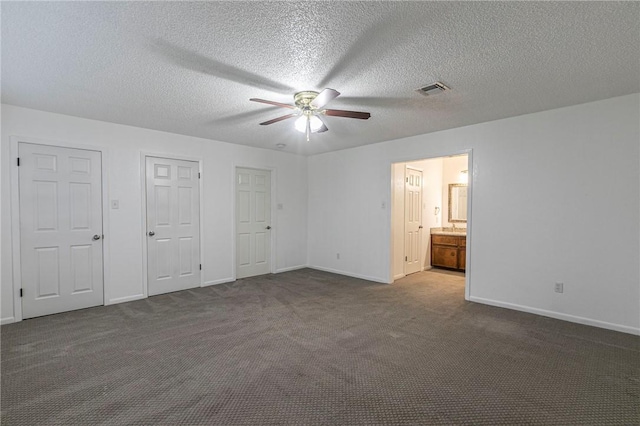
458, 202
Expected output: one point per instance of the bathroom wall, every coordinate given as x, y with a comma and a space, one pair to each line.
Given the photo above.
451, 168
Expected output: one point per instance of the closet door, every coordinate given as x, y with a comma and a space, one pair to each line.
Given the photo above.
173, 225
60, 229
253, 222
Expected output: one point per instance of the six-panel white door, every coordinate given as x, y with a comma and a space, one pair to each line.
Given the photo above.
253, 222
413, 220
60, 229
173, 225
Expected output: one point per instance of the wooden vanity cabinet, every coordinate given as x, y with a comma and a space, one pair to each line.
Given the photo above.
462, 258
449, 251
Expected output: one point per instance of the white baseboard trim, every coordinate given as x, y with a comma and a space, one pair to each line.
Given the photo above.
349, 274
220, 281
402, 275
557, 315
125, 299
7, 320
290, 268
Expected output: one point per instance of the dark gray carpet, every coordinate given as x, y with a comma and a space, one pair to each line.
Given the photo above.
308, 347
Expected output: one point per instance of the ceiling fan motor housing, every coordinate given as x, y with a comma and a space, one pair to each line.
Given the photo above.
303, 99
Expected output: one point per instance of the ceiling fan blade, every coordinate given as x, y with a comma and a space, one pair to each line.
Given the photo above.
275, 120
324, 98
264, 101
324, 127
348, 114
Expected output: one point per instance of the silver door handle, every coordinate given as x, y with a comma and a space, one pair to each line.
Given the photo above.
96, 237
151, 233
268, 227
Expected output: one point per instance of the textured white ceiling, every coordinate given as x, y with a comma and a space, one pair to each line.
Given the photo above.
190, 68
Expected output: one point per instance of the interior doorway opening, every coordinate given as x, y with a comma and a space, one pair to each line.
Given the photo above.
431, 208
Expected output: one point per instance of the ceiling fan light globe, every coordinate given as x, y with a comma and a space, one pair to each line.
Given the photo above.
316, 123
301, 123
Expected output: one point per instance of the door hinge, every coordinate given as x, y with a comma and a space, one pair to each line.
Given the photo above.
18, 161
201, 266
405, 258
406, 179
20, 292
198, 175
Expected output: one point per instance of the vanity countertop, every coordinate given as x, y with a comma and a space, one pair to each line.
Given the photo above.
449, 231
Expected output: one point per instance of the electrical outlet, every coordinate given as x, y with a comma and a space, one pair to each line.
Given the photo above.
338, 256
559, 288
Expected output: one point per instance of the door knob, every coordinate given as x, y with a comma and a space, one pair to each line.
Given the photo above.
151, 233
420, 227
96, 237
268, 227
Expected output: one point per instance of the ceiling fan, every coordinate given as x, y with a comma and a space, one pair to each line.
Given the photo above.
309, 108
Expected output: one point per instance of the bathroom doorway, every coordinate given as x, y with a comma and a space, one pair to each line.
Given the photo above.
430, 213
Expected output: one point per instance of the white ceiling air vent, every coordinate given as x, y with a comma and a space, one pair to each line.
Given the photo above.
433, 89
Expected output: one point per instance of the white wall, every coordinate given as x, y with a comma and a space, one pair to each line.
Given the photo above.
546, 189
125, 238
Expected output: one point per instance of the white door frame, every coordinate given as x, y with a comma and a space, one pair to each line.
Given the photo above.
143, 185
390, 228
274, 229
15, 216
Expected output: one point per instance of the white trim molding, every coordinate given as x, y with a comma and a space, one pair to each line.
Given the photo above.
349, 274
125, 299
557, 315
290, 268
220, 281
7, 320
